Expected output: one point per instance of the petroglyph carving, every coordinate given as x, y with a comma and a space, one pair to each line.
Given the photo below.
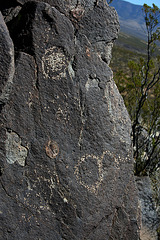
77, 12
92, 177
85, 176
52, 149
54, 63
62, 114
14, 150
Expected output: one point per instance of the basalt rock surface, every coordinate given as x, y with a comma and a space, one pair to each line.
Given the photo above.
149, 215
66, 167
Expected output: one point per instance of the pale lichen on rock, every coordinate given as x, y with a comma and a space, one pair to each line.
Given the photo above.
15, 152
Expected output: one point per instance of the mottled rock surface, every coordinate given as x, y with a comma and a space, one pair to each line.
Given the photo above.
6, 63
65, 149
149, 215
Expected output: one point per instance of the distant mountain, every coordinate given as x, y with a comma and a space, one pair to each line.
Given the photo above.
131, 18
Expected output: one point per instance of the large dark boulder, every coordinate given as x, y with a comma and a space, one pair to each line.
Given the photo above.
65, 148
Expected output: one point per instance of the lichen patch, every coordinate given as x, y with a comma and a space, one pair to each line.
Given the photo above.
15, 152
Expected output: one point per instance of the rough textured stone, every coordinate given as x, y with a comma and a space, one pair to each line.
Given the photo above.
74, 7
73, 175
149, 215
6, 62
9, 9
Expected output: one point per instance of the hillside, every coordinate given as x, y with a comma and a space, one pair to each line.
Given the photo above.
131, 18
127, 48
121, 56
130, 42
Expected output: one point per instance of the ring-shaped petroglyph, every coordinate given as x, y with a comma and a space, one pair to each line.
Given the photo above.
90, 171
87, 168
54, 63
52, 149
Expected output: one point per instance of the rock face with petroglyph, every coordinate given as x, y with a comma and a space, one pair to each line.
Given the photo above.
65, 150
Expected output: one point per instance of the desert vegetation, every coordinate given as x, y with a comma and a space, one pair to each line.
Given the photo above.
137, 74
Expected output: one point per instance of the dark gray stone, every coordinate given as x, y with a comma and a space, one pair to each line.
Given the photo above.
11, 13
65, 7
6, 62
9, 9
72, 177
150, 221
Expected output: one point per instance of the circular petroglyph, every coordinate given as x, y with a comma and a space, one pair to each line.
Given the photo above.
52, 149
54, 63
91, 169
89, 172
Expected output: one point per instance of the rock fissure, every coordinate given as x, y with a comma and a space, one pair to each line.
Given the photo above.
1, 107
5, 190
36, 76
15, 199
83, 119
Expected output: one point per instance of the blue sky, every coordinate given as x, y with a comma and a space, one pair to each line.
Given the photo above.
148, 2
